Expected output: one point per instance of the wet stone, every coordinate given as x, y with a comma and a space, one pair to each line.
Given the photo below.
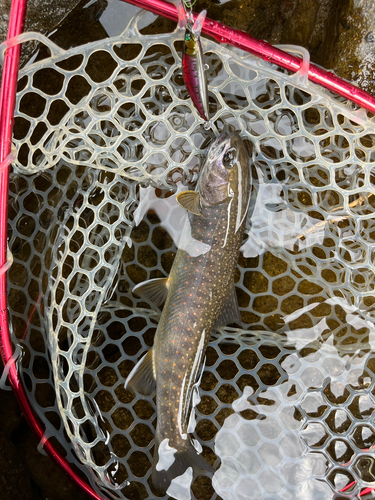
15, 483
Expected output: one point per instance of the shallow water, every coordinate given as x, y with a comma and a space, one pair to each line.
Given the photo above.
309, 277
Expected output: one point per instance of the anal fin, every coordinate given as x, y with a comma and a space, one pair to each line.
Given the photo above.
230, 312
142, 377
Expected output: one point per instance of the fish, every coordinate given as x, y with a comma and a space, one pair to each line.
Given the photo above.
193, 71
199, 296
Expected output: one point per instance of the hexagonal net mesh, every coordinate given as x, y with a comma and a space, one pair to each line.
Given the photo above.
287, 401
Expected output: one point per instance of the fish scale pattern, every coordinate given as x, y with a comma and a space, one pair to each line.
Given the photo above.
287, 401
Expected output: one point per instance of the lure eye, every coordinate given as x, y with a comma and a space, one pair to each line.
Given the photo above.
229, 158
188, 37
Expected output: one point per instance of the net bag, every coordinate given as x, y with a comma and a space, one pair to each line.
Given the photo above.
286, 402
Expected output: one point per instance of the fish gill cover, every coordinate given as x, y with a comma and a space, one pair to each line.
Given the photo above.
286, 403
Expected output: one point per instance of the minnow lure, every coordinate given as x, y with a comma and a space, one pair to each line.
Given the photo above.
198, 296
192, 60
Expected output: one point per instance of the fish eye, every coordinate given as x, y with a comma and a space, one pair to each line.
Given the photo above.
229, 158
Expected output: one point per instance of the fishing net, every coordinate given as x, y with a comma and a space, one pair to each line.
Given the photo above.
287, 401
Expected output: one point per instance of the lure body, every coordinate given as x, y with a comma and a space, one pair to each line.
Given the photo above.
192, 63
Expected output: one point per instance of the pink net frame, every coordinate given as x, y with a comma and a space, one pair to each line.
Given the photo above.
217, 30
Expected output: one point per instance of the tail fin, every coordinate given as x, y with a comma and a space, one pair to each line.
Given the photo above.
165, 470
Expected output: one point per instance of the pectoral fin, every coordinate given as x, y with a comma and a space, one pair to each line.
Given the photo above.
190, 201
230, 312
155, 290
142, 377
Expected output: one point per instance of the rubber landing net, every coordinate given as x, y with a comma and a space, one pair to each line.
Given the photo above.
287, 402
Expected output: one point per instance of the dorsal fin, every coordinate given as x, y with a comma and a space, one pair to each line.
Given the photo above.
155, 290
190, 201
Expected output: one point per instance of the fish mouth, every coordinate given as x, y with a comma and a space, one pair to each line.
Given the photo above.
218, 146
222, 137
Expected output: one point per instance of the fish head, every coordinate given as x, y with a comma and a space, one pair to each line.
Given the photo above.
225, 176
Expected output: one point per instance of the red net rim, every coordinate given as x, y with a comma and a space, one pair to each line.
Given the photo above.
214, 29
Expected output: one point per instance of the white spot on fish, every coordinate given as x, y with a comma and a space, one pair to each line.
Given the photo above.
180, 486
192, 421
173, 218
187, 394
197, 445
166, 455
192, 246
180, 409
196, 399
228, 222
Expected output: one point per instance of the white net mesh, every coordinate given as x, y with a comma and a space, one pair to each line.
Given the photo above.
286, 413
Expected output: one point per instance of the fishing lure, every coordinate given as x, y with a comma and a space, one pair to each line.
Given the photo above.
192, 60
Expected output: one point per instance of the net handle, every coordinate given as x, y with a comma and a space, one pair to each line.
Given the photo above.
7, 104
264, 50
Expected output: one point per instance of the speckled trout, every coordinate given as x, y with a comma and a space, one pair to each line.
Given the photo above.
199, 296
